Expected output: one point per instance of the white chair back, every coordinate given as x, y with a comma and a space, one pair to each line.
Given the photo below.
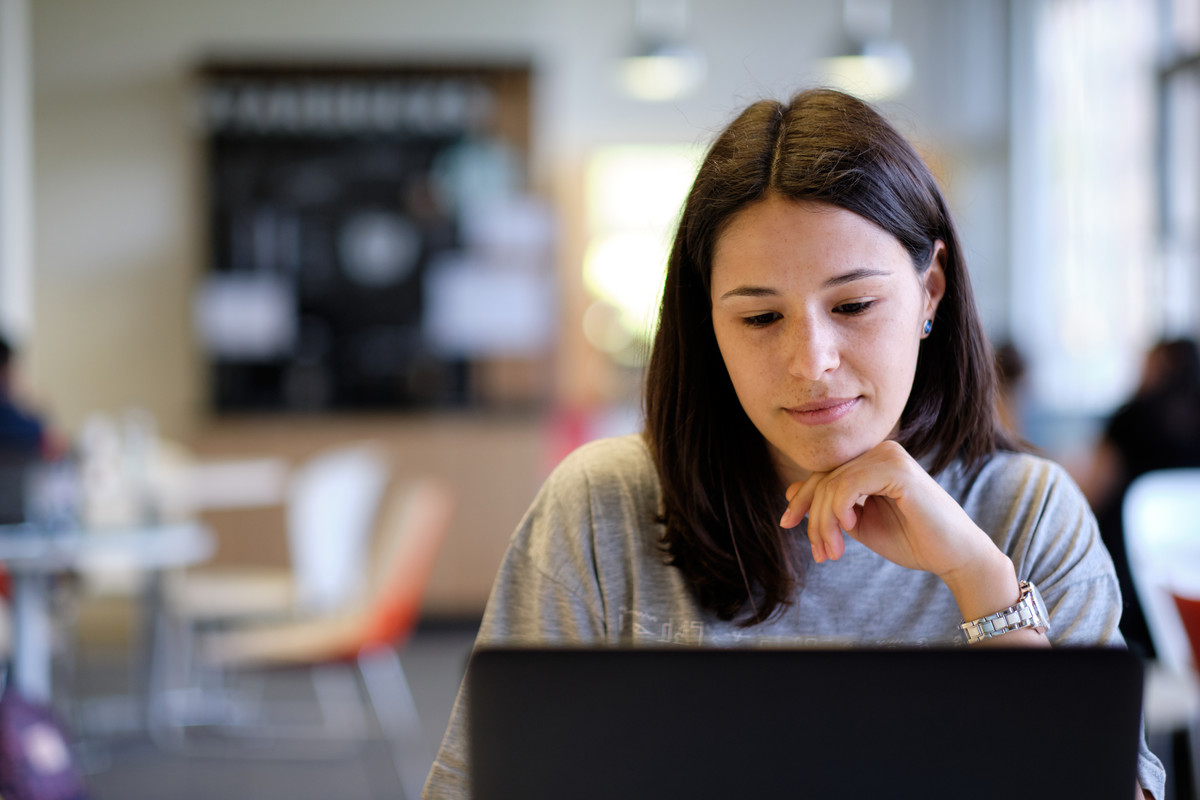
333, 500
1161, 515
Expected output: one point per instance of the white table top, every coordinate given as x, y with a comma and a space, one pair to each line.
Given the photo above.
176, 544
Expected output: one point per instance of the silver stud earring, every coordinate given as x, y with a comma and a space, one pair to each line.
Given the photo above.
928, 327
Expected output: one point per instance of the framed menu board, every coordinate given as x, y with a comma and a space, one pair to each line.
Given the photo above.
337, 196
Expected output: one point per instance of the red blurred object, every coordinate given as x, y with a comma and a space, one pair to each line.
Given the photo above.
1189, 612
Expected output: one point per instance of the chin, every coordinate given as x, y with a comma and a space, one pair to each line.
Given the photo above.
828, 465
791, 466
826, 460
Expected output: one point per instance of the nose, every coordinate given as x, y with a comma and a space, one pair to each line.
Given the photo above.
814, 350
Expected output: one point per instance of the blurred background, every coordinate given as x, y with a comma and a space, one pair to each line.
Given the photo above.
250, 231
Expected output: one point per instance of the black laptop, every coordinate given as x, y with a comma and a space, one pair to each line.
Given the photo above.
705, 723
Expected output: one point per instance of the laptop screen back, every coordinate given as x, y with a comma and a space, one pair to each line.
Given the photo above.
699, 723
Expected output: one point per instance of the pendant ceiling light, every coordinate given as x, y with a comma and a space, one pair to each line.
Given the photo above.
662, 65
872, 65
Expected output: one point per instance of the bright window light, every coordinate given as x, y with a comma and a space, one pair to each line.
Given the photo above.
1097, 103
634, 195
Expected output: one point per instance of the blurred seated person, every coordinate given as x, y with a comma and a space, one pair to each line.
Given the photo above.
1158, 428
21, 432
25, 439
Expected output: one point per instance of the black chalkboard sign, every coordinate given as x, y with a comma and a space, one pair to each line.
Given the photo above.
332, 188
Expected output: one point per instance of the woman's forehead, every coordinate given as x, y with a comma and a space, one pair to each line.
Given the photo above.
819, 239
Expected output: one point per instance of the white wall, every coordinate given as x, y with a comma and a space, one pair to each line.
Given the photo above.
16, 231
118, 226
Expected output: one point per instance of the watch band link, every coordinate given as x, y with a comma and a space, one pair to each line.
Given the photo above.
1027, 612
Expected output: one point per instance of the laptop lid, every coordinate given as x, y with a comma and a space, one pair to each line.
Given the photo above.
700, 723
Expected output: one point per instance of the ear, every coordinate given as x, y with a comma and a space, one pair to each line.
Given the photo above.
934, 279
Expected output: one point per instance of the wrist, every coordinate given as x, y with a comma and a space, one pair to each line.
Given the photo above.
1026, 618
987, 585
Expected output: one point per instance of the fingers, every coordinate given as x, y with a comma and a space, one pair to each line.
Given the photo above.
834, 501
828, 518
799, 496
826, 526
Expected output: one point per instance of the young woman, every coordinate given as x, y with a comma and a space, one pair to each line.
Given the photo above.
821, 438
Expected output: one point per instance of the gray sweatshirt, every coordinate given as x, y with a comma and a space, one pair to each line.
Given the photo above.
585, 567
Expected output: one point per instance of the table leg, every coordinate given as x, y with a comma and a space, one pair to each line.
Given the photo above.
32, 635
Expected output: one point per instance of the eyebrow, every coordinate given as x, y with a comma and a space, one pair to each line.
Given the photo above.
836, 280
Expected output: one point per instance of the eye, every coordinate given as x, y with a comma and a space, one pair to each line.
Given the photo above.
855, 308
762, 320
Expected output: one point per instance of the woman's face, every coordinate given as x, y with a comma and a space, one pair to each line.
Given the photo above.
818, 313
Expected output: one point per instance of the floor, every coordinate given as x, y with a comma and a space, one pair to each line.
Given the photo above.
127, 766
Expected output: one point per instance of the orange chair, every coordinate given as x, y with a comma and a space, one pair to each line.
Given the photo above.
361, 640
413, 526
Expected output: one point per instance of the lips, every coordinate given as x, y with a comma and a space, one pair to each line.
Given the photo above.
823, 412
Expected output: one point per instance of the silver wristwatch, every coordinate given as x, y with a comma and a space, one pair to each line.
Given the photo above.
1028, 612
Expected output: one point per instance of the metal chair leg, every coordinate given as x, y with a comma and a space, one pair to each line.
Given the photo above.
392, 702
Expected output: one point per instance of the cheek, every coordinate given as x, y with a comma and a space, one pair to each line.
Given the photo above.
886, 355
896, 365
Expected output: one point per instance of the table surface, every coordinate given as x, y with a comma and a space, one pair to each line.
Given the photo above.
26, 549
32, 556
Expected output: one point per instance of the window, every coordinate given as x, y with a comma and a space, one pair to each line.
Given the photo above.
1179, 167
1088, 273
634, 196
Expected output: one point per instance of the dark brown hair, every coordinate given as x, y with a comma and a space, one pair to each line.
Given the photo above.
722, 498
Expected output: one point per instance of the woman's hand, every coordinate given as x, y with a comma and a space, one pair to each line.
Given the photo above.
888, 502
885, 500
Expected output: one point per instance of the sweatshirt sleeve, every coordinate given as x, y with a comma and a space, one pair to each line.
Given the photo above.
546, 593
1045, 525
